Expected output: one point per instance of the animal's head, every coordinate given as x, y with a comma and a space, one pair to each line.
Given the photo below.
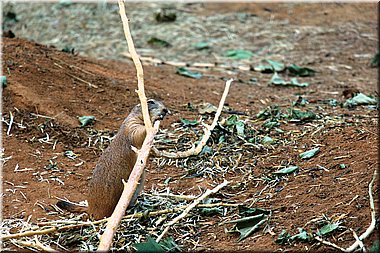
133, 125
157, 110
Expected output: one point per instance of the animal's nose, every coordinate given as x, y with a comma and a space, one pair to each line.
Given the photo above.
164, 112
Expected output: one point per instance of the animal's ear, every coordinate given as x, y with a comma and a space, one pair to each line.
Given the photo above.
152, 104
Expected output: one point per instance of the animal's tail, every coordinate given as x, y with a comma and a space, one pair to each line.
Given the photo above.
74, 208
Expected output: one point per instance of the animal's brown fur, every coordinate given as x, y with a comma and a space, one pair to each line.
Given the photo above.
116, 163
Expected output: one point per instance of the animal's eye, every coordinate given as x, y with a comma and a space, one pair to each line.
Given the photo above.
151, 102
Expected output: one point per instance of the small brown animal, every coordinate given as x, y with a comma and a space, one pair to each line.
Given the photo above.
116, 163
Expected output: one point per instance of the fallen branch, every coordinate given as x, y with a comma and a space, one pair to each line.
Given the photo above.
358, 240
191, 206
328, 243
199, 66
138, 65
134, 177
373, 216
195, 150
79, 224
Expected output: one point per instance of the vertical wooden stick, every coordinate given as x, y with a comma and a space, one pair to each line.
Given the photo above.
138, 65
133, 180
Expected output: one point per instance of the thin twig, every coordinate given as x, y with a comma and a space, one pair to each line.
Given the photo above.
83, 81
360, 243
169, 195
72, 66
10, 123
358, 240
196, 65
195, 150
373, 216
328, 243
41, 116
189, 207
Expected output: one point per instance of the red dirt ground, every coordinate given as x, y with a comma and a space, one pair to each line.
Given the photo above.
44, 81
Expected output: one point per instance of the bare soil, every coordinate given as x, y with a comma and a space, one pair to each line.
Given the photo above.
48, 89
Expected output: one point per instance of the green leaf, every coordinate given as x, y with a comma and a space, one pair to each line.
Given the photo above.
333, 102
240, 128
206, 150
295, 114
302, 235
222, 139
187, 122
360, 99
86, 120
309, 154
65, 3
283, 237
211, 211
231, 121
207, 108
201, 45
68, 49
276, 66
166, 182
185, 72
375, 246
277, 80
300, 71
300, 102
247, 225
273, 66
3, 81
169, 245
286, 170
269, 112
328, 228
165, 15
294, 82
239, 54
149, 246
270, 124
158, 42
246, 211
267, 140
375, 60
279, 131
